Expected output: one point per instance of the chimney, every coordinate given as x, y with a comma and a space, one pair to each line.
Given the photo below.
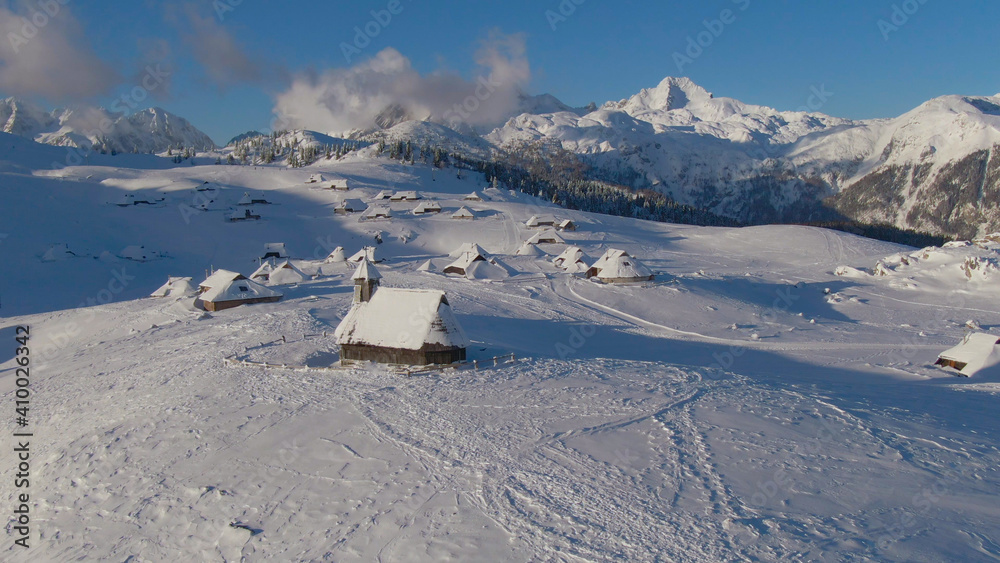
366, 280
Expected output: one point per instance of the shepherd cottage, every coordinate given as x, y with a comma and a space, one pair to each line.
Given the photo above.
977, 351
399, 326
225, 290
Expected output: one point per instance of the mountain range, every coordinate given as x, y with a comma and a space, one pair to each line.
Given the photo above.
150, 130
935, 169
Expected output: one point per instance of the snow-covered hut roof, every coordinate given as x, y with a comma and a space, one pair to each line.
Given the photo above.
338, 183
463, 213
976, 351
384, 194
367, 252
174, 286
243, 214
572, 260
489, 269
245, 200
59, 251
366, 271
337, 255
313, 178
406, 319
469, 247
617, 265
462, 263
407, 195
240, 289
219, 277
264, 271
378, 211
427, 207
546, 236
352, 205
540, 221
474, 196
286, 273
528, 249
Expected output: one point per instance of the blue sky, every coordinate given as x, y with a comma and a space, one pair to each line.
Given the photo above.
767, 52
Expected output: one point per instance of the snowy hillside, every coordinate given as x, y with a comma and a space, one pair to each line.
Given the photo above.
150, 130
764, 398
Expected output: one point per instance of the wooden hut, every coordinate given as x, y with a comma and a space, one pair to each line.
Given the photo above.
225, 290
976, 351
463, 213
401, 326
426, 207
616, 266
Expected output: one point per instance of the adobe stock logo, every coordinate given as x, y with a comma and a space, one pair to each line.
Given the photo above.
901, 14
714, 28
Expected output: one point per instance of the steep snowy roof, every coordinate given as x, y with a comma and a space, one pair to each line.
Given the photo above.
238, 290
245, 200
465, 260
366, 271
977, 350
469, 247
384, 194
610, 254
58, 251
623, 266
463, 213
545, 236
367, 252
219, 277
264, 271
286, 273
378, 211
572, 259
174, 286
426, 207
409, 195
404, 319
474, 196
528, 249
537, 220
337, 255
352, 204
491, 269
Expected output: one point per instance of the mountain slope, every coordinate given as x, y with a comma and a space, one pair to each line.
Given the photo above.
929, 169
750, 404
148, 130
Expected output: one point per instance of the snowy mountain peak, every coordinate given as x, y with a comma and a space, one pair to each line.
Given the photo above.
148, 130
670, 94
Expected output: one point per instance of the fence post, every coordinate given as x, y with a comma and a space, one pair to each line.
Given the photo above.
475, 365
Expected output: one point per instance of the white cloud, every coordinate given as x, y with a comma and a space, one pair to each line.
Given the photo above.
48, 55
225, 61
341, 99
